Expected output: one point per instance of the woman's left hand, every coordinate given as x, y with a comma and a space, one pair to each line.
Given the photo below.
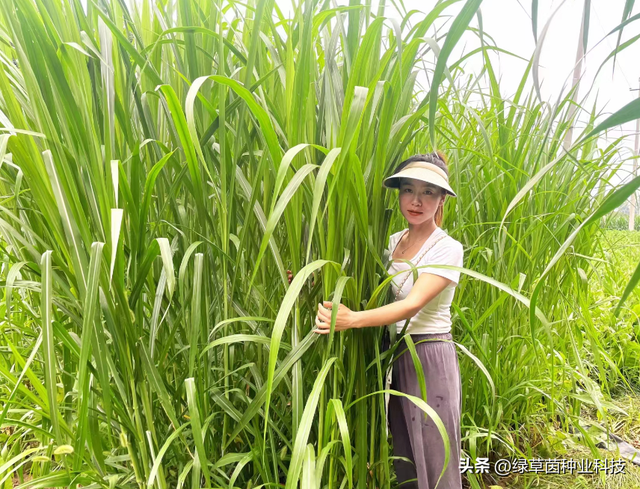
344, 319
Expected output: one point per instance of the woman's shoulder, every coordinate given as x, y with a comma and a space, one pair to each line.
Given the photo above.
447, 243
393, 239
451, 241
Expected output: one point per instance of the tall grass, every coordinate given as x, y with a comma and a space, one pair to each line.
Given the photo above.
619, 222
165, 163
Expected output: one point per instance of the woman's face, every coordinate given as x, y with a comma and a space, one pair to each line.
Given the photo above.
419, 200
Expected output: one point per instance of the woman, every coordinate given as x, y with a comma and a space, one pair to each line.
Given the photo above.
423, 183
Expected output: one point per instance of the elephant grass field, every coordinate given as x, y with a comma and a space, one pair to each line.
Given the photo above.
163, 163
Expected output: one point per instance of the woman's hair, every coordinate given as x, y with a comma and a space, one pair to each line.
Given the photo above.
439, 159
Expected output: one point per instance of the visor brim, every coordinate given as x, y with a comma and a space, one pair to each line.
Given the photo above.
421, 174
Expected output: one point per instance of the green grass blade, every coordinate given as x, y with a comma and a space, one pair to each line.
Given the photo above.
458, 27
167, 262
538, 51
116, 226
629, 112
158, 460
50, 361
628, 8
281, 323
196, 311
279, 375
278, 210
88, 324
196, 426
304, 429
346, 439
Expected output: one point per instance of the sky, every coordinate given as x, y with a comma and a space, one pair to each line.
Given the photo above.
509, 23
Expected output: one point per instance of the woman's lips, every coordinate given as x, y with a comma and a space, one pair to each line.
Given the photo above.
414, 213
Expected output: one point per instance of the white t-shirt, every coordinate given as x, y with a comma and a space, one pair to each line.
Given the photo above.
435, 316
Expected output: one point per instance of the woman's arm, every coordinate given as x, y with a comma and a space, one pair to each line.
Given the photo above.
424, 290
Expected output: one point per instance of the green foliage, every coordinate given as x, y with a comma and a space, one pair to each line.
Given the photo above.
619, 222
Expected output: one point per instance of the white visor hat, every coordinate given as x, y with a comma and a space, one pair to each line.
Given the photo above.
424, 171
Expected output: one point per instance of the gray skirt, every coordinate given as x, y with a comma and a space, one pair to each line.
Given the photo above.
415, 436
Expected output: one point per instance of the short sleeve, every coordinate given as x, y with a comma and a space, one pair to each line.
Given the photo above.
387, 251
449, 252
393, 240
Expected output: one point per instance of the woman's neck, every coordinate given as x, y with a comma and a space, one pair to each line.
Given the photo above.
422, 231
